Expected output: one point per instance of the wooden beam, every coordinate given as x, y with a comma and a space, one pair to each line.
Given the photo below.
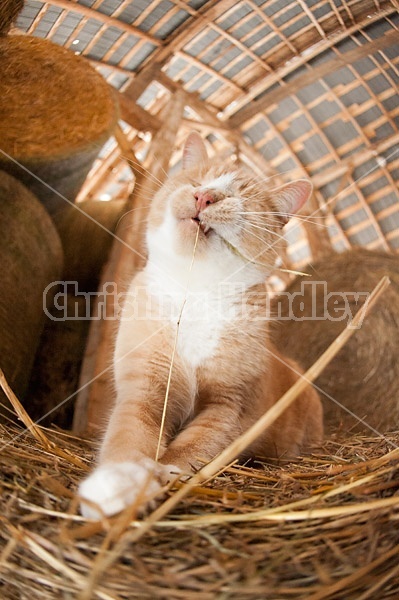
99, 176
141, 81
257, 162
318, 237
191, 98
311, 76
131, 112
136, 116
105, 65
125, 146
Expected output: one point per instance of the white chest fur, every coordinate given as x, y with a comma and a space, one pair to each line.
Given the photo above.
201, 326
199, 311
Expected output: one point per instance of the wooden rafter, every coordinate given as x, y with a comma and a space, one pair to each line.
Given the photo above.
162, 55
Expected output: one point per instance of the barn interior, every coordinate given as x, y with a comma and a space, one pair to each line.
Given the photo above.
97, 100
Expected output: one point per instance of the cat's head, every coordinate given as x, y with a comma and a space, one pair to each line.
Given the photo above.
231, 207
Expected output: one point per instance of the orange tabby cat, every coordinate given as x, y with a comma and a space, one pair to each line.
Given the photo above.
226, 373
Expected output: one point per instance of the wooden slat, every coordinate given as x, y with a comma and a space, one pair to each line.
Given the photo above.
136, 116
312, 18
35, 23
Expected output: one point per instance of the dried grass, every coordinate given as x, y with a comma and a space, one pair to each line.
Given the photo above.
324, 526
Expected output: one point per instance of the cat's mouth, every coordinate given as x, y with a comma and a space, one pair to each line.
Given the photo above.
205, 228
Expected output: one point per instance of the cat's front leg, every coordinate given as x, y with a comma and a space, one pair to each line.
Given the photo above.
216, 426
127, 472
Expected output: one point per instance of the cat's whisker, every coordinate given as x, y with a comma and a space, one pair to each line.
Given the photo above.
133, 225
140, 167
272, 221
143, 171
324, 225
263, 228
267, 219
160, 164
279, 237
153, 181
309, 219
128, 212
261, 179
260, 212
145, 185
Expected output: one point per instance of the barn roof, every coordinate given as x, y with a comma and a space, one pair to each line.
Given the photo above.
296, 87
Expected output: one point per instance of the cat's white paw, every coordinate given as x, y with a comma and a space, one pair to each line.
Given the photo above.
114, 486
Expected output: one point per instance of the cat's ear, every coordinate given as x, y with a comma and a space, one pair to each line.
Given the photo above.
194, 152
290, 197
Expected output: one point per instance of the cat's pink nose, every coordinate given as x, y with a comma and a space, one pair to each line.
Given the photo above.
204, 198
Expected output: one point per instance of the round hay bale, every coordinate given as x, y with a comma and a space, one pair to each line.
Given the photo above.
364, 376
55, 115
86, 233
9, 10
31, 259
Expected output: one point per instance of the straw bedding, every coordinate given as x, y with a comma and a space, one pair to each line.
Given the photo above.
325, 526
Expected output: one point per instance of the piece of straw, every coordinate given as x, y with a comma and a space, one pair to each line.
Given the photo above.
172, 360
36, 431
